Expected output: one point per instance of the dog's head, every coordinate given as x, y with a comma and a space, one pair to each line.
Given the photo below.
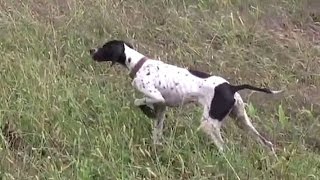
111, 51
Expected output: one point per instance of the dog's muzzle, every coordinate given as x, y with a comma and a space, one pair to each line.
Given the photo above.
92, 51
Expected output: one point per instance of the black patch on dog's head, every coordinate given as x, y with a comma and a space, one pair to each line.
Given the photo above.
199, 74
111, 51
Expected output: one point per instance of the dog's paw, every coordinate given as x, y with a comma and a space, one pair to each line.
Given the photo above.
149, 112
139, 102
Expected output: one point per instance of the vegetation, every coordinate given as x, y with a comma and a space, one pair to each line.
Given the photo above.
66, 117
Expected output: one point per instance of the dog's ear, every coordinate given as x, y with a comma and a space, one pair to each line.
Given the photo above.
114, 53
129, 45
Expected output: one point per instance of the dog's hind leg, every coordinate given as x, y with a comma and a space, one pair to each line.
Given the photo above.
211, 127
243, 121
158, 123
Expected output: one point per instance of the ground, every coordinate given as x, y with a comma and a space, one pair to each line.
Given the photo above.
66, 117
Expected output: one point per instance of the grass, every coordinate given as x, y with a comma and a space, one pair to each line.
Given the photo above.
65, 117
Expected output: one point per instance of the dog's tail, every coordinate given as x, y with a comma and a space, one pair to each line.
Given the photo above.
236, 88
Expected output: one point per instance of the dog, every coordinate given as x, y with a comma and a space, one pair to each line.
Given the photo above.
164, 85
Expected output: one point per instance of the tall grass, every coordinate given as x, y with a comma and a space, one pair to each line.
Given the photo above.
65, 117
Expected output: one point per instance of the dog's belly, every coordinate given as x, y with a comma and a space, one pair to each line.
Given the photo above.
174, 99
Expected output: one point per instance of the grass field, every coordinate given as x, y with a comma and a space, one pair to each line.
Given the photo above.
66, 117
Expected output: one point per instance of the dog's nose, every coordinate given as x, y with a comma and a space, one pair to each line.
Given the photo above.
91, 51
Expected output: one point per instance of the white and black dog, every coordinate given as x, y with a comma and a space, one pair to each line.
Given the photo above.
167, 85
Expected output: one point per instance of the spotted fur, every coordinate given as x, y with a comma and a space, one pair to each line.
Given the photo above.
165, 85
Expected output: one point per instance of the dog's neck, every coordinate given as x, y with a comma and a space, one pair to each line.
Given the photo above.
132, 57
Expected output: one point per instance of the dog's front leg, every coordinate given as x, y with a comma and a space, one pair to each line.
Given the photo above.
159, 112
148, 111
146, 104
151, 93
158, 123
152, 97
158, 116
149, 101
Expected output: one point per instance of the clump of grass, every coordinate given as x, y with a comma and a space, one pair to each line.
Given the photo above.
77, 120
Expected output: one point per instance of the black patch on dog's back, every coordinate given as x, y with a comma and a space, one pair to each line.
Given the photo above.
222, 102
199, 74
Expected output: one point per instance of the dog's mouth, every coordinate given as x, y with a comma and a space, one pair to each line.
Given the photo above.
95, 55
93, 51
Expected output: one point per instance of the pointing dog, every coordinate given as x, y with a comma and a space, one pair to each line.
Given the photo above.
164, 85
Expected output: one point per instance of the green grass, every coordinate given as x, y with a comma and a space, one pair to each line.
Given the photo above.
71, 118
